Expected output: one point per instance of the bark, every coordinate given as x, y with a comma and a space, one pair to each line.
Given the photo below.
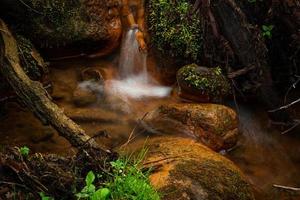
33, 95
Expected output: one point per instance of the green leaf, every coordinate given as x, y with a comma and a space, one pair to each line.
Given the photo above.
89, 189
44, 197
82, 195
265, 28
101, 194
24, 151
90, 177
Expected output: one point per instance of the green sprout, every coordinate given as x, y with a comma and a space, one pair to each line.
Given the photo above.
24, 151
267, 31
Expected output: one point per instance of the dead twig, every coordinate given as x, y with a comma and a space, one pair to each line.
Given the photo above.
285, 106
130, 138
293, 86
297, 123
240, 72
287, 187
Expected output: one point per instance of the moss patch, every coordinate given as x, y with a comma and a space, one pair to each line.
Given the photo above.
208, 81
175, 30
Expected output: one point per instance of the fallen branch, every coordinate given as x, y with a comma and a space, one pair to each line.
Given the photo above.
287, 188
240, 72
36, 98
285, 106
297, 123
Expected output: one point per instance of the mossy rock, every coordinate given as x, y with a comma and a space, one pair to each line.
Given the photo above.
202, 84
54, 23
185, 170
175, 30
216, 126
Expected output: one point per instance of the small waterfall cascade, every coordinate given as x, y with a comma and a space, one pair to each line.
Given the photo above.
134, 81
132, 63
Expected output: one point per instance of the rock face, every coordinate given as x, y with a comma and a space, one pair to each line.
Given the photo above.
214, 125
185, 170
202, 84
62, 22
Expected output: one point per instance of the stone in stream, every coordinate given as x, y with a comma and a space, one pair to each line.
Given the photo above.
91, 89
202, 84
216, 126
183, 169
83, 97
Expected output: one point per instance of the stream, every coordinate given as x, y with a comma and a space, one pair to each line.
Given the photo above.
262, 153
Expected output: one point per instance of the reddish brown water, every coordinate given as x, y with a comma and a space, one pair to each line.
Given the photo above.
263, 154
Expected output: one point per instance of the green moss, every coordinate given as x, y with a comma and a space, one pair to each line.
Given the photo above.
52, 23
175, 30
53, 18
210, 81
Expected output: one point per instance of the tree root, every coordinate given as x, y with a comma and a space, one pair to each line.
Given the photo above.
36, 98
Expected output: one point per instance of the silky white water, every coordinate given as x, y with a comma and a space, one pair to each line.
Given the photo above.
134, 81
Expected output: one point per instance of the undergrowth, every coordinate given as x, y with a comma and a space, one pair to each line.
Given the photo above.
175, 29
127, 182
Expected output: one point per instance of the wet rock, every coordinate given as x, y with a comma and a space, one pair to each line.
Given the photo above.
89, 74
89, 24
202, 84
214, 125
184, 170
83, 97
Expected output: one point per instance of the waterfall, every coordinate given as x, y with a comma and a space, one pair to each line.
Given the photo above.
132, 63
134, 80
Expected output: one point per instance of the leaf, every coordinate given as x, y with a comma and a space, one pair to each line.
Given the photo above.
88, 189
24, 151
101, 194
265, 28
44, 197
90, 177
81, 195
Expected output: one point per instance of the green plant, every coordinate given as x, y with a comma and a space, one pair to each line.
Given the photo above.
176, 31
24, 151
129, 182
126, 182
44, 197
89, 191
267, 31
211, 82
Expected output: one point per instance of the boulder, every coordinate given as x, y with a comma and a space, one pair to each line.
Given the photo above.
90, 24
214, 125
202, 84
183, 169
